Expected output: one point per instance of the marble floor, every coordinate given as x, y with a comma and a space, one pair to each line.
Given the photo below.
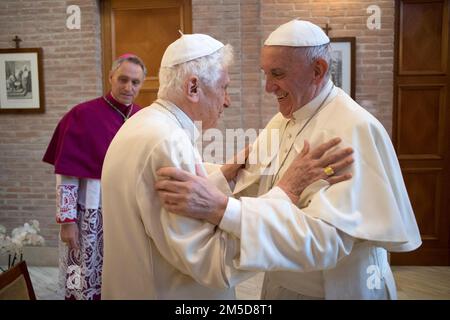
412, 283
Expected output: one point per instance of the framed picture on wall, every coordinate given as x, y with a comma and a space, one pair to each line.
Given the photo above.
21, 81
343, 64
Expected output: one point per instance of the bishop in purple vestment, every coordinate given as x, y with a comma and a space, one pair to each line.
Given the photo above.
77, 150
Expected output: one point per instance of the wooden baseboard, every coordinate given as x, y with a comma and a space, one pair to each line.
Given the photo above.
422, 257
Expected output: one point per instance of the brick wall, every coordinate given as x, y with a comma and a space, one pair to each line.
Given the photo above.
247, 23
72, 65
236, 22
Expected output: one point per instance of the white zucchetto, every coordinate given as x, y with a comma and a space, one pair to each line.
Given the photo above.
189, 47
297, 33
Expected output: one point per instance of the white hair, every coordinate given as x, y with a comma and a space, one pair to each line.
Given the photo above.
318, 52
207, 69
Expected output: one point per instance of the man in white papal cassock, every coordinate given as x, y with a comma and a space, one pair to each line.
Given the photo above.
333, 242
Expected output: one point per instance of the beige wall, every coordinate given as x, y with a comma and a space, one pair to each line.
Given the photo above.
72, 71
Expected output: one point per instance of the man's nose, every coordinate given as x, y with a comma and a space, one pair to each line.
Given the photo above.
128, 86
227, 101
270, 86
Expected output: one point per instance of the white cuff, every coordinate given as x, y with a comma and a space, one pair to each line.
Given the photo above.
310, 191
231, 220
305, 197
219, 180
276, 193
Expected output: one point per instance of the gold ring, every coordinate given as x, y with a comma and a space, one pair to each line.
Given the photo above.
328, 171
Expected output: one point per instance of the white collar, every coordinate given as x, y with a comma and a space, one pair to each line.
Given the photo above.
181, 118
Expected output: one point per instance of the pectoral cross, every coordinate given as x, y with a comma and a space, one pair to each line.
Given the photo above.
17, 40
327, 29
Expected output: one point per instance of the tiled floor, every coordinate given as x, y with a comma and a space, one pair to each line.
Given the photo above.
412, 283
45, 284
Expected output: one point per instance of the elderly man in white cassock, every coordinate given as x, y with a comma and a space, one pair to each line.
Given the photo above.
332, 242
149, 252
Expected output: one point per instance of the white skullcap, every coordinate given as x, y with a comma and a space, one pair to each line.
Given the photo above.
189, 47
297, 33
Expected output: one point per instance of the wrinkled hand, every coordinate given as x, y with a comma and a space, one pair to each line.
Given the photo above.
69, 235
308, 167
231, 168
190, 195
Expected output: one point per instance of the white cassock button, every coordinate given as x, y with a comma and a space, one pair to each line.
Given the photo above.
285, 150
289, 135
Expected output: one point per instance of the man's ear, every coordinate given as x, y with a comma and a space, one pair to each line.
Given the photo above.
110, 77
192, 89
320, 69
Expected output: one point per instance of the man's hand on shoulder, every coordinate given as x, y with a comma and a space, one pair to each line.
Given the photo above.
190, 195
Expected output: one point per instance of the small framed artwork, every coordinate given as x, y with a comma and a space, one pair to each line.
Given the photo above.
343, 64
21, 81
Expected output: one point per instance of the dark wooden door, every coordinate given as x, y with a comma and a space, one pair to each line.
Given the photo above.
422, 122
145, 28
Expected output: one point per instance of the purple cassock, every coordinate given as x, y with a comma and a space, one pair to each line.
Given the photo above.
77, 150
83, 135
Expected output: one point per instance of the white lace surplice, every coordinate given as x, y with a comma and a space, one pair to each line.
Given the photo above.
79, 201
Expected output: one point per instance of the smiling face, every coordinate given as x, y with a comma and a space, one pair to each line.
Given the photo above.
126, 81
212, 101
289, 76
